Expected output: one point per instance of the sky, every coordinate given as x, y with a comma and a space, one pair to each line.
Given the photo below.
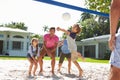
36, 14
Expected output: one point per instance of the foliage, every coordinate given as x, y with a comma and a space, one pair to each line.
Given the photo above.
93, 25
101, 6
107, 55
64, 35
19, 25
45, 28
85, 16
98, 5
103, 23
90, 28
36, 36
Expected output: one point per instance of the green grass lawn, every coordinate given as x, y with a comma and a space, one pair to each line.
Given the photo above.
48, 58
12, 58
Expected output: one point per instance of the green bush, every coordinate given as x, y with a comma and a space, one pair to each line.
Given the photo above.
107, 55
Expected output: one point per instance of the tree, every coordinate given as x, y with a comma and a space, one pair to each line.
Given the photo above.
98, 5
87, 22
85, 16
36, 36
45, 28
103, 23
19, 25
101, 6
92, 27
89, 29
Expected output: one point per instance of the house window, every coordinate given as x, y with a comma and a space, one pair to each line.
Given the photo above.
17, 36
17, 45
1, 35
90, 51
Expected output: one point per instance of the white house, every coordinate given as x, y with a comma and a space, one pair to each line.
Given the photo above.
94, 47
14, 42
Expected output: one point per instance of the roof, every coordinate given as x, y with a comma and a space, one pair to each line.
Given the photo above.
12, 30
98, 38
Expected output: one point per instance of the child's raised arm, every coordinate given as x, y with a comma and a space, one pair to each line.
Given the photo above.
63, 30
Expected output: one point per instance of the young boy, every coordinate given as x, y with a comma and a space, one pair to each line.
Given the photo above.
65, 54
71, 35
49, 47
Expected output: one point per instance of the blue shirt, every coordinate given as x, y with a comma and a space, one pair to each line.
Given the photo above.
64, 48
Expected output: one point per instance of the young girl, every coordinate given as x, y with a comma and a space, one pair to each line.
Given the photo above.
71, 35
32, 55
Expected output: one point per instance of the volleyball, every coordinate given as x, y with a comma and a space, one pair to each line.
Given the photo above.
66, 16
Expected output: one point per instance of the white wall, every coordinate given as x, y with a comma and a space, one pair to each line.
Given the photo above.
25, 41
11, 52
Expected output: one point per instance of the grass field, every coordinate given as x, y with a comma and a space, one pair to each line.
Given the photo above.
57, 58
